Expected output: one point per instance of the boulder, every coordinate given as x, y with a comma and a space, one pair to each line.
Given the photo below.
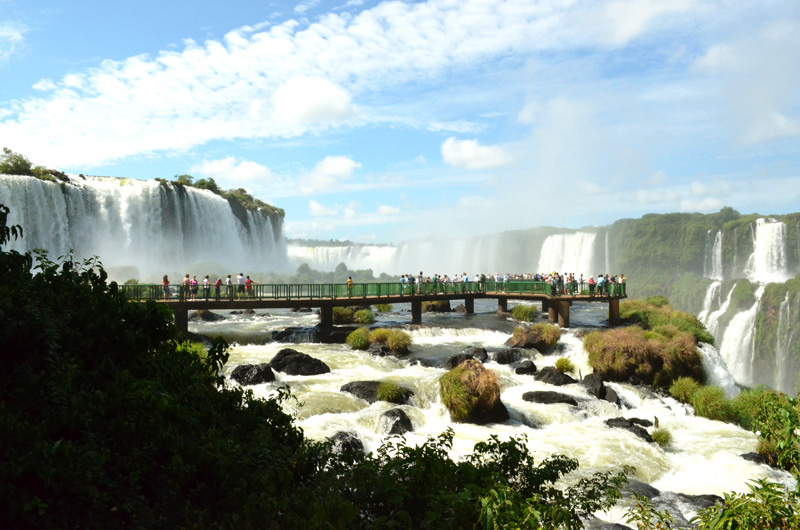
346, 442
526, 367
253, 374
757, 458
301, 310
549, 397
334, 335
506, 356
205, 315
640, 421
622, 423
436, 306
459, 309
637, 487
471, 394
293, 362
612, 396
368, 391
396, 421
243, 312
478, 353
379, 350
551, 376
594, 385
295, 335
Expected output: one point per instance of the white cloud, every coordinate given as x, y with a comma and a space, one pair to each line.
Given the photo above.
707, 205
302, 7
383, 209
328, 174
318, 210
228, 173
349, 213
308, 100
468, 154
12, 37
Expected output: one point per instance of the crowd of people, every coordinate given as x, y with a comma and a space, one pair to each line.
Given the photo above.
560, 284
239, 287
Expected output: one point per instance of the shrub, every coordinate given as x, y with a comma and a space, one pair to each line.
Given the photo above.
342, 315
389, 391
564, 365
747, 404
710, 402
398, 341
662, 437
380, 335
358, 339
525, 313
383, 308
364, 316
469, 390
683, 388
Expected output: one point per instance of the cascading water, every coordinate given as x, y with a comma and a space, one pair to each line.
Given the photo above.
568, 253
711, 319
716, 370
768, 261
712, 265
157, 229
711, 299
785, 337
737, 344
377, 257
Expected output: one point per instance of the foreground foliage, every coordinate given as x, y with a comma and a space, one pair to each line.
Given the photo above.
524, 312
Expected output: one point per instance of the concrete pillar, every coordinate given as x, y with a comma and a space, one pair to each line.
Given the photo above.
326, 317
563, 313
469, 304
613, 312
545, 306
182, 320
502, 305
552, 316
416, 312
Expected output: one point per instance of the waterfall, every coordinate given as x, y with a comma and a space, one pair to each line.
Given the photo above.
785, 337
768, 262
737, 345
712, 319
356, 257
568, 253
608, 255
712, 295
712, 265
131, 223
716, 370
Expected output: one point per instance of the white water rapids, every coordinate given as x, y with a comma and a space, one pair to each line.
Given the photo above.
704, 457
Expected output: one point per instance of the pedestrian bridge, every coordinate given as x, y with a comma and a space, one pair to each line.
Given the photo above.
326, 296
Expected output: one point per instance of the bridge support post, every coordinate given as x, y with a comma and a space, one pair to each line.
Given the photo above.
326, 317
182, 320
545, 306
502, 305
469, 305
563, 313
416, 312
613, 312
552, 314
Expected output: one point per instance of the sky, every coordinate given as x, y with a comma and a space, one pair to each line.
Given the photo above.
379, 122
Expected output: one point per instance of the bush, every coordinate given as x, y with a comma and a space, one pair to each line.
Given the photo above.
358, 339
655, 313
398, 341
383, 308
380, 335
342, 315
662, 437
710, 402
364, 316
391, 392
564, 365
748, 403
525, 313
469, 390
683, 389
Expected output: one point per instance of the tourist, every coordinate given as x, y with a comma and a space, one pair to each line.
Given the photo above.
349, 284
229, 287
241, 281
591, 285
185, 287
194, 286
217, 287
206, 287
165, 286
248, 285
622, 280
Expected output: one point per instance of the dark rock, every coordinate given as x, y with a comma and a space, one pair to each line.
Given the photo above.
549, 397
368, 391
243, 312
525, 367
436, 306
757, 458
396, 421
640, 421
205, 315
622, 423
477, 353
455, 360
594, 385
700, 502
334, 335
346, 442
460, 309
594, 523
611, 396
295, 335
379, 350
551, 376
427, 363
506, 356
293, 362
253, 374
637, 487
301, 310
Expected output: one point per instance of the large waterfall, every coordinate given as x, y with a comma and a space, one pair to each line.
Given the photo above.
131, 223
380, 258
568, 253
768, 262
737, 344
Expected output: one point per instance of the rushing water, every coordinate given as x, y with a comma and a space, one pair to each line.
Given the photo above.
704, 457
568, 253
712, 265
737, 344
768, 262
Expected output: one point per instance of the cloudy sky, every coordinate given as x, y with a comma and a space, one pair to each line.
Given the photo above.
384, 121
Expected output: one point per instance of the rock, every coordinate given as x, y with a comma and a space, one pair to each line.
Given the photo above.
253, 374
622, 423
594, 523
455, 360
549, 397
293, 362
526, 367
379, 350
396, 421
640, 421
368, 391
471, 394
334, 335
637, 487
460, 309
436, 306
243, 312
551, 376
529, 338
594, 385
427, 363
506, 356
700, 502
205, 315
301, 310
478, 353
346, 442
757, 458
612, 396
295, 335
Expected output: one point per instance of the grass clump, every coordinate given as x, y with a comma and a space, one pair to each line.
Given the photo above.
383, 308
662, 437
468, 390
380, 335
683, 389
398, 341
564, 365
342, 315
358, 339
655, 313
710, 402
364, 316
525, 313
391, 392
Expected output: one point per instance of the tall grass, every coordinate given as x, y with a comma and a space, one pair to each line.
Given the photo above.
525, 313
710, 402
564, 365
358, 339
364, 316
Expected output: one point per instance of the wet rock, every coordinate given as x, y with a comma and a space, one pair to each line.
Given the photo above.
243, 312
612, 396
477, 353
551, 376
637, 487
301, 310
757, 458
506, 356
293, 362
396, 421
368, 391
379, 350
295, 335
526, 367
471, 394
334, 335
436, 306
594, 385
346, 442
622, 423
460, 309
594, 523
699, 502
640, 421
253, 374
548, 397
204, 315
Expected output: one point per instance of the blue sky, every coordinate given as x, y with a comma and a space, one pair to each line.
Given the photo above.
386, 121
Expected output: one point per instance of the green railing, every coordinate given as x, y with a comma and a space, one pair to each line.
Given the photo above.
290, 291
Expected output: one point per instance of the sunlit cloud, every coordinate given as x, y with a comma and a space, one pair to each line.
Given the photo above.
468, 154
12, 38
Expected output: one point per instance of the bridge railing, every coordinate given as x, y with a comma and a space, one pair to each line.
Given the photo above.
290, 291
